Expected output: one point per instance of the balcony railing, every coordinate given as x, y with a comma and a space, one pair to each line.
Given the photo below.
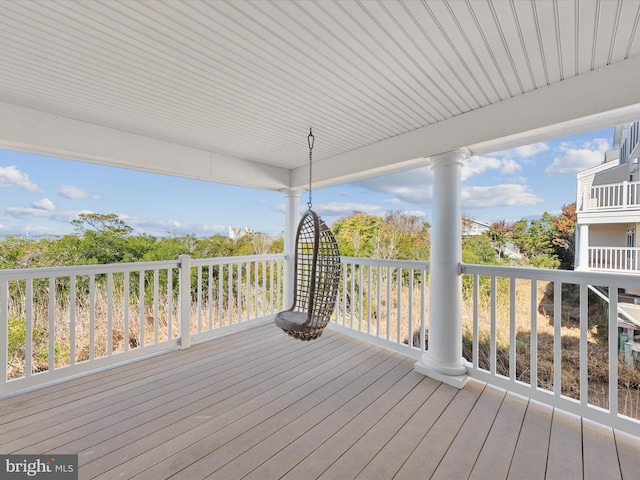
615, 196
384, 302
530, 331
536, 332
619, 259
59, 322
511, 338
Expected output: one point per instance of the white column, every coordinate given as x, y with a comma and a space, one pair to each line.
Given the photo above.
443, 360
292, 217
582, 247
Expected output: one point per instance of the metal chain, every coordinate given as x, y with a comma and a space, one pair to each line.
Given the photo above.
310, 140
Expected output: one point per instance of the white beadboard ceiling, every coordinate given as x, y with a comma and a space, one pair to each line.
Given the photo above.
227, 90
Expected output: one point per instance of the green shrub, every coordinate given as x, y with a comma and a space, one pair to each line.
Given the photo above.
17, 345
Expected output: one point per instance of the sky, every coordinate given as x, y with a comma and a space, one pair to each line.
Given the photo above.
42, 195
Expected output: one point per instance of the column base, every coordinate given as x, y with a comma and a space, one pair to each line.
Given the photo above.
454, 375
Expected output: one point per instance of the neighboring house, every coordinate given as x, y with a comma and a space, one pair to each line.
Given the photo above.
471, 228
235, 233
608, 222
608, 208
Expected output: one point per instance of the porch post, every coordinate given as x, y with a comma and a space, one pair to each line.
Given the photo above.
582, 247
443, 360
292, 217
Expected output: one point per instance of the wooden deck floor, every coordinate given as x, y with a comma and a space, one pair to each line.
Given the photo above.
260, 405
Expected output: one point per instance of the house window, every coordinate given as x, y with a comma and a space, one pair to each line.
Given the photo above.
632, 256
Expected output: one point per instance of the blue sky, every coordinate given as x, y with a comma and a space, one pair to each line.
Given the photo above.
41, 195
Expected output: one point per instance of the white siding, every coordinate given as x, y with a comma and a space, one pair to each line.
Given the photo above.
608, 235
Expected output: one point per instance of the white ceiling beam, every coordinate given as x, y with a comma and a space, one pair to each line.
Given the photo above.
596, 99
33, 131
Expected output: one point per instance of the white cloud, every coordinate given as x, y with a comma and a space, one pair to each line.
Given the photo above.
29, 229
44, 204
529, 150
335, 209
146, 225
209, 230
506, 195
510, 166
56, 215
415, 186
575, 159
340, 209
481, 164
161, 228
74, 193
12, 177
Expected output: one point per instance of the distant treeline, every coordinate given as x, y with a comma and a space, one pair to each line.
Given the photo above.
105, 238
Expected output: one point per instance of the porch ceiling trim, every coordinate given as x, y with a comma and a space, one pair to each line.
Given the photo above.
226, 91
42, 133
592, 100
597, 99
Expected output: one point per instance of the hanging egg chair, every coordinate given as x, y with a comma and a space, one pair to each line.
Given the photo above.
316, 274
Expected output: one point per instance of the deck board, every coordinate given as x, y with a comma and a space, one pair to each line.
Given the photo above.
260, 405
390, 459
532, 450
565, 447
465, 449
497, 452
628, 448
368, 435
600, 455
424, 460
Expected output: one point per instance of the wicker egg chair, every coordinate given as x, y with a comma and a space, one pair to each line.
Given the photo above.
317, 275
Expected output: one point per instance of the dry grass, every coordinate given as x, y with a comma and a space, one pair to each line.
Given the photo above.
115, 327
543, 306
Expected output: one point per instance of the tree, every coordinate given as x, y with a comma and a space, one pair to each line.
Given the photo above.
500, 234
262, 243
564, 240
478, 250
103, 223
104, 237
356, 234
402, 236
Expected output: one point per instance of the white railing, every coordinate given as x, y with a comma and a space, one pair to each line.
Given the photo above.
232, 291
620, 259
60, 322
510, 337
611, 197
531, 331
384, 302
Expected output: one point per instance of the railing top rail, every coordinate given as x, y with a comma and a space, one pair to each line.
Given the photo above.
617, 184
566, 276
247, 258
46, 272
631, 249
415, 264
26, 273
